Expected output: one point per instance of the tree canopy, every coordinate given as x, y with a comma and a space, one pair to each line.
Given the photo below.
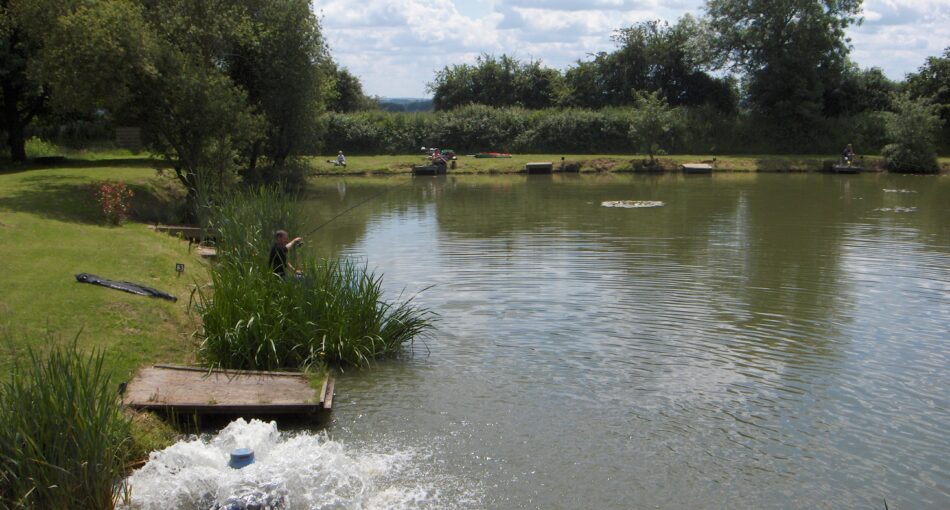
788, 51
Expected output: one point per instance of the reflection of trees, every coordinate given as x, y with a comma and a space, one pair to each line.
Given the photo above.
791, 284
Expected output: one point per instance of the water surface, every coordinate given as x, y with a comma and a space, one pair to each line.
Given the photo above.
761, 341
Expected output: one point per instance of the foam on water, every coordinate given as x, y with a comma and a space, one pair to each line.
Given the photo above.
297, 470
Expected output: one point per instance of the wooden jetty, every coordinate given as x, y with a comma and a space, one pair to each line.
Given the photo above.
429, 170
196, 390
539, 167
208, 252
697, 168
191, 232
847, 169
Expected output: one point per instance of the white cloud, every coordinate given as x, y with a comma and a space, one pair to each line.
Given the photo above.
395, 46
898, 35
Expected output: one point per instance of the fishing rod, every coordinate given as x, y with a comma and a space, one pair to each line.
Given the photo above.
373, 197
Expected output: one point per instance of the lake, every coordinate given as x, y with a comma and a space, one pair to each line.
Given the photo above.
761, 341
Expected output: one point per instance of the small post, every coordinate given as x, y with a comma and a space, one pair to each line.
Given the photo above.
179, 268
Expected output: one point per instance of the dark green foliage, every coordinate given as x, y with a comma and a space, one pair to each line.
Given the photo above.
23, 94
64, 441
346, 93
254, 319
503, 81
932, 82
912, 131
858, 91
653, 123
789, 51
703, 129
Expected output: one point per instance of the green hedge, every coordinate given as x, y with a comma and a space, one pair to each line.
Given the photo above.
477, 128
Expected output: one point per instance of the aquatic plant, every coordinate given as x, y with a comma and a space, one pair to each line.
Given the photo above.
334, 313
64, 441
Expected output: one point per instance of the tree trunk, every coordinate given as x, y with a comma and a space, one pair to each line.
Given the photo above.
13, 123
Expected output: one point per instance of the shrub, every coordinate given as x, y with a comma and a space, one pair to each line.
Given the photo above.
39, 148
912, 130
63, 439
114, 199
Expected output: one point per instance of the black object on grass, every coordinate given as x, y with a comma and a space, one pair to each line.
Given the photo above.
130, 287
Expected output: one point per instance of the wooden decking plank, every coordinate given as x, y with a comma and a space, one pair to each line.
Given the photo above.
194, 389
328, 393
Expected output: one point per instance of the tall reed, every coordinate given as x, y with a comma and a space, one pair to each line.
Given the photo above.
253, 319
63, 440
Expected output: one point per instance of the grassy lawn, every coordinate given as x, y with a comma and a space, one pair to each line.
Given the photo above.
50, 230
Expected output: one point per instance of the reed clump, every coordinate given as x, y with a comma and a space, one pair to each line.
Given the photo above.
334, 313
64, 441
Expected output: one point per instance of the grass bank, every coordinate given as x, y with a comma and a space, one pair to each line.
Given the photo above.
51, 229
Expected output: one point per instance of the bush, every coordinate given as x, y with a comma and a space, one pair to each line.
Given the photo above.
64, 441
912, 130
253, 319
114, 199
39, 148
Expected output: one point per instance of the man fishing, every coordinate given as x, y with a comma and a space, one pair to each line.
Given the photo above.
278, 252
847, 155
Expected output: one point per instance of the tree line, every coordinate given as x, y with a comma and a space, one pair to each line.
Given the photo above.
784, 66
220, 87
244, 87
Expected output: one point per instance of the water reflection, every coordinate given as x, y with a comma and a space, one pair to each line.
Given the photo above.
761, 338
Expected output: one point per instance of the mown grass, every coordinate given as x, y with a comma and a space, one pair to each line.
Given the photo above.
50, 230
334, 313
64, 440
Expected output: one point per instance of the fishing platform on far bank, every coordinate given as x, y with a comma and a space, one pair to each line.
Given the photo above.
196, 390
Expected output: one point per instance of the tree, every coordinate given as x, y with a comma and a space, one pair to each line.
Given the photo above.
346, 93
218, 86
912, 129
501, 81
932, 82
652, 123
23, 95
786, 49
651, 56
283, 66
857, 91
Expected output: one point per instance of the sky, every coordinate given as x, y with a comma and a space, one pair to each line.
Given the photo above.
396, 46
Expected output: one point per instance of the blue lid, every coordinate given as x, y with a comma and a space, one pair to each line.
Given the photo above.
241, 457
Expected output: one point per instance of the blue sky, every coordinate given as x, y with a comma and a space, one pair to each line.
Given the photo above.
395, 46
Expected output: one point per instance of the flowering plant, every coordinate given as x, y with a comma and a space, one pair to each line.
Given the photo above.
114, 200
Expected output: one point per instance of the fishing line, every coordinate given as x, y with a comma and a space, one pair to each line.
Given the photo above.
377, 195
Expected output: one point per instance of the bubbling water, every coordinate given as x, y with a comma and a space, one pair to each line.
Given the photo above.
296, 470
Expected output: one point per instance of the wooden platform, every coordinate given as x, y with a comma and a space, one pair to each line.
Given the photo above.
191, 232
539, 167
847, 169
697, 168
195, 390
429, 170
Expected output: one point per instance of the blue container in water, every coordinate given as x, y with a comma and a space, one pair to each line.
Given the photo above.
241, 458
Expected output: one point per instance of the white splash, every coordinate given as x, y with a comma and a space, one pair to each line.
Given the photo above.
297, 470
632, 204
